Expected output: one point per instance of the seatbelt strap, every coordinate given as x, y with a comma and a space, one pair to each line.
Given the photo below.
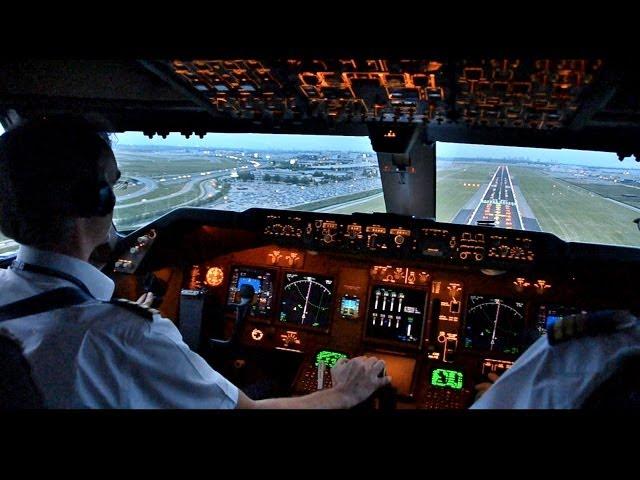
43, 302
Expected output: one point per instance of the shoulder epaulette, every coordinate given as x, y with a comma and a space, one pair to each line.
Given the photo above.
562, 329
141, 310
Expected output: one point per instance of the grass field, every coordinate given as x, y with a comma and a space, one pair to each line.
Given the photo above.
568, 211
451, 192
327, 202
122, 189
134, 216
161, 191
622, 193
373, 205
151, 166
574, 214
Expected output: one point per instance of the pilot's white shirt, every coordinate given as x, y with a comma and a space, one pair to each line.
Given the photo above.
100, 355
561, 376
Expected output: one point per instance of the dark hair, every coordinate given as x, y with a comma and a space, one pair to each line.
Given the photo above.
45, 165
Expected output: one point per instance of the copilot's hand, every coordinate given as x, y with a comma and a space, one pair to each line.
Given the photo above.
146, 299
484, 386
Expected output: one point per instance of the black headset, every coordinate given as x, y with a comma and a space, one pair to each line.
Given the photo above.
106, 199
95, 200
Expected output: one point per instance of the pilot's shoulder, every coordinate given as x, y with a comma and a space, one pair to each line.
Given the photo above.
132, 307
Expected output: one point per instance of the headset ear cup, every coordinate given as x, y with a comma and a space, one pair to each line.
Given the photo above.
83, 204
106, 200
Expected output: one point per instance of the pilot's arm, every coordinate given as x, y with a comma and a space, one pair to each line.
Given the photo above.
136, 362
353, 382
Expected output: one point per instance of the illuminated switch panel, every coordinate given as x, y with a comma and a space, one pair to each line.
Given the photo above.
290, 341
447, 308
445, 389
308, 382
446, 399
495, 366
401, 275
317, 374
131, 258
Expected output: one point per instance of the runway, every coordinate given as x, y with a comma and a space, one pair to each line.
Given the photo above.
500, 204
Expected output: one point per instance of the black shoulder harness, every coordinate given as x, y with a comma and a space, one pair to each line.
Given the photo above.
580, 325
134, 307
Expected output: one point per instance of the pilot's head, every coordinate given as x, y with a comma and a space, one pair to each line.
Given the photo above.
56, 181
246, 293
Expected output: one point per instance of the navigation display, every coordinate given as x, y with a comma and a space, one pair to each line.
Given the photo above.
494, 325
262, 282
306, 300
396, 314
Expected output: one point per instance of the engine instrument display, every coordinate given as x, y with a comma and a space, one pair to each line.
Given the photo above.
306, 300
262, 282
494, 325
396, 314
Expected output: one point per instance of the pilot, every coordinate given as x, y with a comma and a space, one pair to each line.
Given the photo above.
85, 350
566, 368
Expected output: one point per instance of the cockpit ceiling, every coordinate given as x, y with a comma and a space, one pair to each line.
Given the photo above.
586, 103
542, 94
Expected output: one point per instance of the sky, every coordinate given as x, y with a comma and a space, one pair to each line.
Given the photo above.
362, 144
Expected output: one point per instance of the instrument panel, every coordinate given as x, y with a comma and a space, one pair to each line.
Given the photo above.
442, 323
410, 238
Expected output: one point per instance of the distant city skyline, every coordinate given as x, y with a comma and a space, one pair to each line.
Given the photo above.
363, 144
261, 141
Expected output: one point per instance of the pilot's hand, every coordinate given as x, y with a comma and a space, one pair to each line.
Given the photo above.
146, 299
484, 386
359, 377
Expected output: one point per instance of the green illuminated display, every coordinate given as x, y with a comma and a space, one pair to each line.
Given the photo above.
328, 357
447, 378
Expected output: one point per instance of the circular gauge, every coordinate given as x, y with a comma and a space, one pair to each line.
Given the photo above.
494, 325
257, 334
214, 276
306, 300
